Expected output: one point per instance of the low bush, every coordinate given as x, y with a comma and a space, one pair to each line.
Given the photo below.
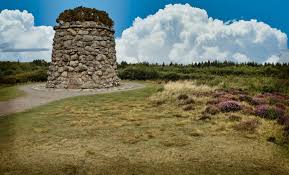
186, 101
249, 125
134, 73
172, 76
271, 139
247, 110
259, 100
229, 106
283, 120
212, 109
35, 76
188, 107
205, 117
217, 74
286, 131
269, 112
8, 80
234, 118
183, 97
16, 72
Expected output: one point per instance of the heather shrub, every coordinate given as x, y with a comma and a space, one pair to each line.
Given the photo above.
213, 102
218, 93
271, 139
247, 110
188, 107
268, 112
280, 105
183, 97
286, 131
283, 120
211, 109
158, 102
259, 100
234, 118
277, 98
229, 106
187, 101
249, 125
286, 134
229, 97
205, 116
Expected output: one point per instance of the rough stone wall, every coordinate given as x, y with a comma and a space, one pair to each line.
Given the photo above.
83, 56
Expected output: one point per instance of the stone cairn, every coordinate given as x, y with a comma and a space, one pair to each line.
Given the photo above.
83, 56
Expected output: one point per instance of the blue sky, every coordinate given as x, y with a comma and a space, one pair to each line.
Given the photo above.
273, 12
184, 32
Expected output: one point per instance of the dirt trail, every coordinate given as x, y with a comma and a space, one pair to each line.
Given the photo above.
37, 94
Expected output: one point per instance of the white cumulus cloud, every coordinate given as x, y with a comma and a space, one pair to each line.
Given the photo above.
184, 34
21, 39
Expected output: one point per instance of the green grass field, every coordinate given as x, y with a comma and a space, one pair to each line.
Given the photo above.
145, 131
9, 92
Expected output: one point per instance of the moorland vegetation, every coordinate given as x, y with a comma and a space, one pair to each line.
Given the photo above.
258, 77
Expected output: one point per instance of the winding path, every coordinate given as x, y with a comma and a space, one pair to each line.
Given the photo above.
37, 94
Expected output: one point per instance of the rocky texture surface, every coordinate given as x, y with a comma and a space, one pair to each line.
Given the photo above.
83, 57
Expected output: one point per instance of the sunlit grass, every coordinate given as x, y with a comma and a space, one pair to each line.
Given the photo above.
9, 92
128, 133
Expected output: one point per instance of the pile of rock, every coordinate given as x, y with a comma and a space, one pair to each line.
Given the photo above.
83, 56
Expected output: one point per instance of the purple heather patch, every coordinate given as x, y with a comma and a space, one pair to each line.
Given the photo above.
283, 120
229, 106
269, 112
259, 100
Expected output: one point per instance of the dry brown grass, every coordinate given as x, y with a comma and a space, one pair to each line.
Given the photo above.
125, 133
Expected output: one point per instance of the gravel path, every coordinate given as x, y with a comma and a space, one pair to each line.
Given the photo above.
37, 94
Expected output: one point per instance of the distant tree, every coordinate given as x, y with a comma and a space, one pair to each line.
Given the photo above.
39, 62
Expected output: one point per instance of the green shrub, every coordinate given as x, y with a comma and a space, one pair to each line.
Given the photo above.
138, 73
269, 112
249, 125
38, 76
8, 79
172, 76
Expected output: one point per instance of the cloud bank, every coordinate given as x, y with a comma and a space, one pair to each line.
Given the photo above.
184, 34
178, 33
21, 39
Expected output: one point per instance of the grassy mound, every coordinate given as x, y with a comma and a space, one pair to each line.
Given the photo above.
85, 14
